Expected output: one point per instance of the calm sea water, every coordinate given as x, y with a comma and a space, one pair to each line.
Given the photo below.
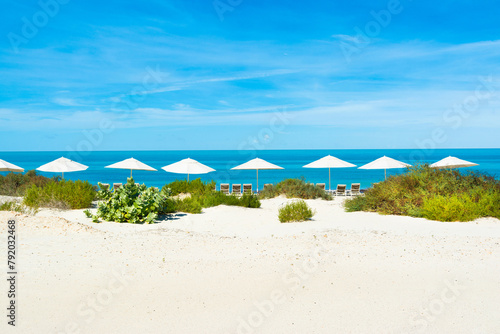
222, 161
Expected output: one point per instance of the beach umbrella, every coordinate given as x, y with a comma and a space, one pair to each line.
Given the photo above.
8, 167
452, 162
132, 164
62, 165
257, 164
188, 166
385, 163
329, 162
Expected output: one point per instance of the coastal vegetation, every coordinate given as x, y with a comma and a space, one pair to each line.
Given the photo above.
436, 194
16, 184
131, 203
135, 203
193, 196
294, 188
60, 194
17, 207
295, 211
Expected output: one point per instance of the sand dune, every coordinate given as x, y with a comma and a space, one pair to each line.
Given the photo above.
237, 270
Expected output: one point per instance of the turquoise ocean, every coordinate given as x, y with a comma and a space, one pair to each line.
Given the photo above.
222, 161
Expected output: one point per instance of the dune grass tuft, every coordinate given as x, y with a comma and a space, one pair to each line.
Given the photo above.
296, 211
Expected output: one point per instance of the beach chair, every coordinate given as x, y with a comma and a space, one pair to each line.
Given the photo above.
355, 189
105, 186
236, 189
247, 188
224, 188
117, 185
341, 190
267, 185
320, 186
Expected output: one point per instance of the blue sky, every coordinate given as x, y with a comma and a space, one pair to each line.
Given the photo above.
231, 74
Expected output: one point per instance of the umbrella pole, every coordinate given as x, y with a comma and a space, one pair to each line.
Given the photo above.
257, 180
329, 180
385, 173
63, 175
130, 173
188, 177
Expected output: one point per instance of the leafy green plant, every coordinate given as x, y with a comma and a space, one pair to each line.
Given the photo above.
295, 211
450, 208
431, 193
294, 188
87, 213
63, 194
104, 193
133, 203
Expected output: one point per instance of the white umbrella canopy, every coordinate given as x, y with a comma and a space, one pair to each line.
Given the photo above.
329, 162
257, 164
385, 163
62, 165
132, 164
188, 166
452, 162
8, 167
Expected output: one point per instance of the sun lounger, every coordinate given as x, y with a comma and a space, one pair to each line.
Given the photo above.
341, 190
236, 189
355, 189
117, 185
266, 185
247, 188
224, 188
105, 186
320, 186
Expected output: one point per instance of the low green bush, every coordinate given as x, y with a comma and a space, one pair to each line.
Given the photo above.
64, 194
197, 202
295, 211
16, 184
438, 194
132, 203
192, 187
203, 195
294, 188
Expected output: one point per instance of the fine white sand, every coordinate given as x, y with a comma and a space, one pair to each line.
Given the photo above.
238, 270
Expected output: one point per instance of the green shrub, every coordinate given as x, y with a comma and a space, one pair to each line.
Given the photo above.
16, 184
195, 203
431, 193
450, 208
295, 211
103, 193
132, 203
294, 188
187, 205
64, 194
192, 187
203, 195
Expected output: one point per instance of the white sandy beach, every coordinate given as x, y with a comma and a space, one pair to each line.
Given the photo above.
238, 270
